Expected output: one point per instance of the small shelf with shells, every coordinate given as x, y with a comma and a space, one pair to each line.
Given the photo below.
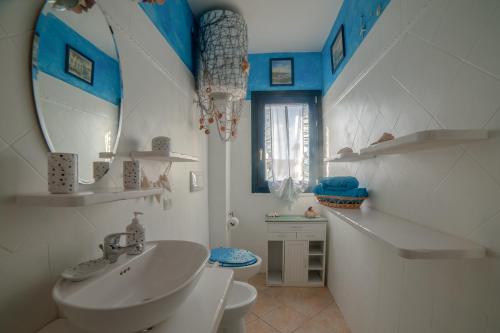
423, 140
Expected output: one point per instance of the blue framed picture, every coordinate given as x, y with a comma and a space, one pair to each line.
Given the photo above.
79, 65
337, 49
281, 71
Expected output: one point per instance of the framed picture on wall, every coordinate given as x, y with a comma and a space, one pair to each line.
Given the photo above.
79, 65
337, 49
281, 71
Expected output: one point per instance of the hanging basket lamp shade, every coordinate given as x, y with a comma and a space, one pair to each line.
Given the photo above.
222, 71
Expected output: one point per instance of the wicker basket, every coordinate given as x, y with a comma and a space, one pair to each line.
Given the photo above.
340, 202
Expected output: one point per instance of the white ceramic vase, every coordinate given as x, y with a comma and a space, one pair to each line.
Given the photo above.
131, 175
62, 173
100, 169
161, 143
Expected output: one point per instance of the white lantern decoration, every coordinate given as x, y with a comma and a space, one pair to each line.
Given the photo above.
222, 70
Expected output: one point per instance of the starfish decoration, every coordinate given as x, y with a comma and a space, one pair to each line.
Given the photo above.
162, 181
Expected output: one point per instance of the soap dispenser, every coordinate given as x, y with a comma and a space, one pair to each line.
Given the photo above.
137, 235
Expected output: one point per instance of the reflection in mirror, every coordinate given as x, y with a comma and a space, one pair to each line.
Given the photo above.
77, 85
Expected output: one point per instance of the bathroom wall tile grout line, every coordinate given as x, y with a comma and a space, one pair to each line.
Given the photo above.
412, 96
448, 173
44, 178
462, 60
150, 57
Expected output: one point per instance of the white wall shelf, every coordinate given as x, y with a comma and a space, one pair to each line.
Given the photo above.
85, 198
409, 240
162, 156
350, 158
423, 140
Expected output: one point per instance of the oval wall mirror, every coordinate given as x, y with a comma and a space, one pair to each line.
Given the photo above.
77, 85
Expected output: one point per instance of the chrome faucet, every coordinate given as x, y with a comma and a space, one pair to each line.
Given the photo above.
112, 248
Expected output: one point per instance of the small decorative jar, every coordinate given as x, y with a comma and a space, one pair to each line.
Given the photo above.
62, 173
161, 143
100, 169
131, 175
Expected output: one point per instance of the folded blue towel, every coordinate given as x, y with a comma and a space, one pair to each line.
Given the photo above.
228, 257
339, 183
355, 193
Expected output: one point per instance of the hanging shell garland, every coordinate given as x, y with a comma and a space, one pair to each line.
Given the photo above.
223, 70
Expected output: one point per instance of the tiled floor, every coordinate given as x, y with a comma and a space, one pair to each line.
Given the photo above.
290, 309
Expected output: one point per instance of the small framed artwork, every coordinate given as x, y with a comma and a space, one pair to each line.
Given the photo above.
281, 71
79, 65
337, 49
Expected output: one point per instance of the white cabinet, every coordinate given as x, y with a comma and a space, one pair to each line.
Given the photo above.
296, 252
296, 262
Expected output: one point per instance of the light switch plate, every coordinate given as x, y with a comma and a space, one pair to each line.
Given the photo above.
196, 181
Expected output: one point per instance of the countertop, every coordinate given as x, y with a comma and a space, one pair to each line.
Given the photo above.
295, 218
409, 239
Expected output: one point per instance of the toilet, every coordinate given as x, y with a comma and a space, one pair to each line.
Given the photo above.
240, 299
242, 295
244, 273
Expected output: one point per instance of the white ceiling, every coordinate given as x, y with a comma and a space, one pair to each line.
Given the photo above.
280, 25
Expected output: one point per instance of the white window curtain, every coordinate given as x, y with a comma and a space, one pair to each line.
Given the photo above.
287, 149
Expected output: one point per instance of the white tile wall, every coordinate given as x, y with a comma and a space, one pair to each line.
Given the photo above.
36, 244
441, 71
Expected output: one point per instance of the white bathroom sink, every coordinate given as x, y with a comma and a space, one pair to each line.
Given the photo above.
136, 292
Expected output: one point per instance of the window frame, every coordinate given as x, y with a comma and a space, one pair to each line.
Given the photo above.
259, 99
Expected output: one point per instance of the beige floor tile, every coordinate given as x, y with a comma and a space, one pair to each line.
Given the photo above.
259, 326
259, 282
330, 320
284, 319
250, 316
264, 304
307, 301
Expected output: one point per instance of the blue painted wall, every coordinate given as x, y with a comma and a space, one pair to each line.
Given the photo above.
54, 35
307, 71
350, 16
175, 21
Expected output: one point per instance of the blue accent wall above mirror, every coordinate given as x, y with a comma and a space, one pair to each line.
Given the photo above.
312, 71
307, 71
175, 21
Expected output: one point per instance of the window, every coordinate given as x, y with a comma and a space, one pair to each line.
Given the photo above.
286, 138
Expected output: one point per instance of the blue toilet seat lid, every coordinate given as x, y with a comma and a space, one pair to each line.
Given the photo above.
232, 257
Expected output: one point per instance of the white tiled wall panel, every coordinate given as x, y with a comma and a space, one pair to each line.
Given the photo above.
36, 244
440, 70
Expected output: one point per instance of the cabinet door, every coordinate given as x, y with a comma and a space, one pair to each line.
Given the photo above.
296, 261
